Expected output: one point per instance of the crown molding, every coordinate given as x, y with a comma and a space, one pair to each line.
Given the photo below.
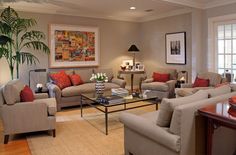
164, 15
188, 3
219, 3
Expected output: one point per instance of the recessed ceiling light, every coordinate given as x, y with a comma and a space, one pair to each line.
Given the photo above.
132, 8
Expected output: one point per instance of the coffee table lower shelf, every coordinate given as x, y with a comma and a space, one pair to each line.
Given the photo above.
106, 107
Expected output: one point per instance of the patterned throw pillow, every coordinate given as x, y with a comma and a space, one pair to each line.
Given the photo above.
26, 95
61, 79
76, 79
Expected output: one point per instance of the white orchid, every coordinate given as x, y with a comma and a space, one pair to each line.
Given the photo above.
99, 77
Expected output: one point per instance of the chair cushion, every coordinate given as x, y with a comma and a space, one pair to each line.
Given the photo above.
168, 105
75, 79
61, 79
157, 86
158, 77
26, 95
51, 105
201, 82
108, 72
11, 91
85, 74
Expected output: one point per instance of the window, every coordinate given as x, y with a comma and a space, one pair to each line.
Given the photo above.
226, 49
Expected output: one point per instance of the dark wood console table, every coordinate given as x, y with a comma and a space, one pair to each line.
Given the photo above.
217, 115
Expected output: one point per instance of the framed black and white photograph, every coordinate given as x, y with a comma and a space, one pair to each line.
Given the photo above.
176, 48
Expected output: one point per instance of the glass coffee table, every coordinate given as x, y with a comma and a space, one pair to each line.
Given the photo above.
106, 108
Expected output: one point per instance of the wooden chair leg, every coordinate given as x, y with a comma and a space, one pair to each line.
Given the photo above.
54, 132
6, 138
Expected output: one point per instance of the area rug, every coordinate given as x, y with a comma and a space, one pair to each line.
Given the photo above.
82, 136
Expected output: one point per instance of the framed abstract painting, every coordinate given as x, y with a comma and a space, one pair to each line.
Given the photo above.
176, 48
73, 46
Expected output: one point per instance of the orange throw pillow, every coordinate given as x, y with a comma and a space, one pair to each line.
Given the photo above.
201, 82
157, 77
26, 95
75, 79
61, 79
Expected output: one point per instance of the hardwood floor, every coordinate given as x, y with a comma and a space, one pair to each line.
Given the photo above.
16, 147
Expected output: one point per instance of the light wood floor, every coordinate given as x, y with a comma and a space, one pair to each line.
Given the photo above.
19, 144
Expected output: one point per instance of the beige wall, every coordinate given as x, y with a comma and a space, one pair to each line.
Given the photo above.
153, 41
115, 39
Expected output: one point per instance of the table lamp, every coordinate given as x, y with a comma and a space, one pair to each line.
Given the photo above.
133, 49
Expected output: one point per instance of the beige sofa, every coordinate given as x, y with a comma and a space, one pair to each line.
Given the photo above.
185, 131
161, 89
70, 96
187, 89
22, 117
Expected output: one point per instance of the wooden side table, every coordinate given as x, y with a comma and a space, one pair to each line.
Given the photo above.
131, 72
217, 115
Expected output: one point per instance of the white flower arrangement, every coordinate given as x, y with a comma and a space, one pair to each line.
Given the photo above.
99, 77
39, 85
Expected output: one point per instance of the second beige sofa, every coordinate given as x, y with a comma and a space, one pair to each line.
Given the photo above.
70, 96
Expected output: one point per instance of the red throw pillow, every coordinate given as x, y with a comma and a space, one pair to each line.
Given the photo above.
26, 95
157, 77
201, 82
61, 79
75, 79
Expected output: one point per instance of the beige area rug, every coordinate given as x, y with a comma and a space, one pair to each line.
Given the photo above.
83, 136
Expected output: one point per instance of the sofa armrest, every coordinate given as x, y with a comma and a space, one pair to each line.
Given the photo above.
151, 131
171, 85
23, 115
148, 80
54, 91
120, 82
186, 85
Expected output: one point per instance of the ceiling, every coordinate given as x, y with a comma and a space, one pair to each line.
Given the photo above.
113, 9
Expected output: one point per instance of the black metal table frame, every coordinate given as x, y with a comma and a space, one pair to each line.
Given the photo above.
106, 106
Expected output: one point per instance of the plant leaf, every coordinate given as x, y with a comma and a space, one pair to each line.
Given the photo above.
22, 24
23, 57
4, 40
33, 35
9, 15
37, 45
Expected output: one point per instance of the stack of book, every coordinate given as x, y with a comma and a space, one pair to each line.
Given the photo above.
120, 92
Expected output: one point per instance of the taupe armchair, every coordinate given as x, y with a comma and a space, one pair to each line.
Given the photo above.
23, 117
161, 89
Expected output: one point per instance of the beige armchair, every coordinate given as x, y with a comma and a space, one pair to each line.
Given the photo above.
161, 89
188, 89
23, 117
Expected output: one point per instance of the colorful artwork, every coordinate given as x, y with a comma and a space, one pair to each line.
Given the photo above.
74, 46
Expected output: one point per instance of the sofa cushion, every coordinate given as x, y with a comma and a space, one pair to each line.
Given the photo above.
51, 105
75, 79
158, 77
181, 92
218, 91
85, 88
85, 74
26, 94
214, 78
168, 105
158, 86
108, 72
11, 91
61, 79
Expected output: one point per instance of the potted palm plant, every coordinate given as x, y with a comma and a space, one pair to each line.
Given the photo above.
18, 36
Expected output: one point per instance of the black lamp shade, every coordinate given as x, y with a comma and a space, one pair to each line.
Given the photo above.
133, 48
